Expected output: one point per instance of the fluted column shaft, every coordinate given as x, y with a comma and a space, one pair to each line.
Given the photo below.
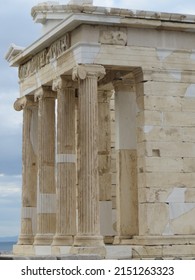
46, 193
29, 172
88, 183
66, 162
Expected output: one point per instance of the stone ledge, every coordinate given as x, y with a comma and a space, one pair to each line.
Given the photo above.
57, 9
66, 257
115, 252
164, 252
159, 240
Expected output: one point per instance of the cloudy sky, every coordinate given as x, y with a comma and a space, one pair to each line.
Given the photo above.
17, 26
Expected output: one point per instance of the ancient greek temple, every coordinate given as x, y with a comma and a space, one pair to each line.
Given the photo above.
108, 101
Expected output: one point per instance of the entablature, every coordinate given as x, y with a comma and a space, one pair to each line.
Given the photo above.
72, 16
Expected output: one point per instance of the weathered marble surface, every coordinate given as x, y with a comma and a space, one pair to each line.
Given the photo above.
148, 60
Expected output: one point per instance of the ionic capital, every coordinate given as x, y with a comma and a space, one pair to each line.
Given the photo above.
23, 102
83, 71
44, 92
62, 83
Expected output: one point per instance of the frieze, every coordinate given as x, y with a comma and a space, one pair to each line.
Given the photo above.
44, 57
111, 37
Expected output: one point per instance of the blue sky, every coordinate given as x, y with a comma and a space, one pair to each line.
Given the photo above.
17, 26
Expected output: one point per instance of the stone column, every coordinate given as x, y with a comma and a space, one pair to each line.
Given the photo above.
66, 162
46, 192
29, 172
126, 159
88, 239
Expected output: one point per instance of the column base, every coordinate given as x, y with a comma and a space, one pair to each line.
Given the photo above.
23, 250
88, 245
43, 239
25, 240
62, 240
88, 241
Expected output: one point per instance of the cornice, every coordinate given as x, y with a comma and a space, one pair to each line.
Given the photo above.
77, 15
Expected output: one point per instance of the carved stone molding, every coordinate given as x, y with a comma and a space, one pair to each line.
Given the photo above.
110, 37
63, 82
83, 71
23, 102
44, 57
44, 92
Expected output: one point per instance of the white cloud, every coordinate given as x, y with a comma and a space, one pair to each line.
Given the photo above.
10, 184
9, 190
